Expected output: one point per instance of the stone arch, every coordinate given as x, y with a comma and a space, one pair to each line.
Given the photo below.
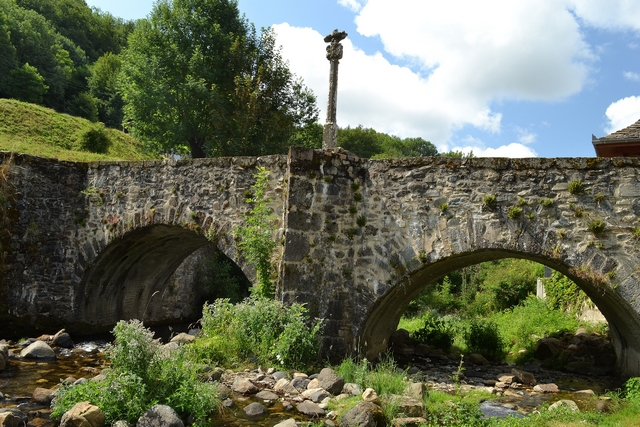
624, 321
129, 277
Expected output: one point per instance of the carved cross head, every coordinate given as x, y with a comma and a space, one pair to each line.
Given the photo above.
334, 50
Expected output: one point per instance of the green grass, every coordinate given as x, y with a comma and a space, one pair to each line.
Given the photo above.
39, 131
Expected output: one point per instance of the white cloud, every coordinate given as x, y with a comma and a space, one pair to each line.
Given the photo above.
479, 149
630, 75
609, 14
623, 113
466, 57
354, 5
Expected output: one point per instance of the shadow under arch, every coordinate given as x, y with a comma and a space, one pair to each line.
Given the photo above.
128, 278
383, 317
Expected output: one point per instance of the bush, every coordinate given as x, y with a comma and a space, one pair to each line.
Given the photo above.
435, 331
259, 328
139, 377
632, 388
483, 337
95, 140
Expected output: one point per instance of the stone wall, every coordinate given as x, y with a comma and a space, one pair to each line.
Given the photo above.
364, 237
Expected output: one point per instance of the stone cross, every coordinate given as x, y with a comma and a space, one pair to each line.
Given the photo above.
334, 55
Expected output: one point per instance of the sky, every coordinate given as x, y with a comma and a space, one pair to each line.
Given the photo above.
503, 78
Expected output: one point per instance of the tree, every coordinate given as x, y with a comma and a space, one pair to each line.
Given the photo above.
26, 84
197, 78
103, 86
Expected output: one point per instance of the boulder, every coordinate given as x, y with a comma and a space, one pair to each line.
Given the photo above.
62, 339
243, 386
279, 375
565, 403
284, 386
546, 388
183, 338
319, 396
546, 348
12, 418
310, 409
352, 389
300, 383
3, 361
399, 338
523, 377
255, 410
364, 414
416, 390
476, 359
83, 414
287, 423
42, 396
160, 416
267, 395
406, 405
330, 381
38, 350
370, 395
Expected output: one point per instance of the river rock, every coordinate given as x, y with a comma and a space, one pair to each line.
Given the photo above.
183, 338
300, 383
546, 348
523, 377
476, 359
287, 423
564, 403
279, 375
255, 410
416, 390
330, 381
3, 361
160, 416
42, 396
284, 386
352, 389
408, 422
546, 388
370, 395
83, 414
62, 339
406, 405
12, 418
364, 414
310, 409
495, 409
319, 396
38, 350
243, 386
267, 395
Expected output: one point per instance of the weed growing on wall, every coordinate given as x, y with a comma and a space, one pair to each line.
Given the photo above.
256, 235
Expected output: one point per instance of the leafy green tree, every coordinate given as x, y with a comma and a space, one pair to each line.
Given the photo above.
103, 86
8, 60
95, 32
365, 142
26, 84
56, 58
197, 78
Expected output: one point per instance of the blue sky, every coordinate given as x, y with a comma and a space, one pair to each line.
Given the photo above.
499, 77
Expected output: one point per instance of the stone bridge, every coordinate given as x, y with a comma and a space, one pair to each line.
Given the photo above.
88, 244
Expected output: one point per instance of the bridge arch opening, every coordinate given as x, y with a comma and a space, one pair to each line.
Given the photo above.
383, 317
134, 278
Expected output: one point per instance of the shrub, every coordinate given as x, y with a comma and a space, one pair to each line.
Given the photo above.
435, 331
547, 203
632, 388
562, 294
483, 337
259, 328
95, 140
139, 377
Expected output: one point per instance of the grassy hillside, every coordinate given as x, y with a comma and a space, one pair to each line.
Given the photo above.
39, 131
